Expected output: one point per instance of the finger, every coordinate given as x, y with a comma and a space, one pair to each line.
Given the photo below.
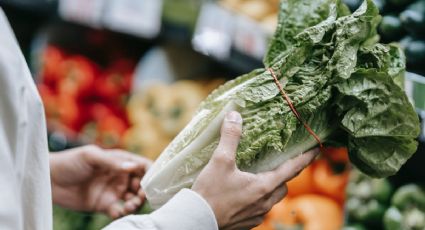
140, 164
116, 210
128, 196
289, 169
230, 134
115, 160
135, 184
132, 205
132, 157
141, 194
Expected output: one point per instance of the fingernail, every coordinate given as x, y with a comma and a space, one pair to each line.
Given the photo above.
234, 117
128, 165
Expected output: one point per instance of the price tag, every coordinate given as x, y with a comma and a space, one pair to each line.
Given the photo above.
82, 11
137, 17
214, 31
250, 38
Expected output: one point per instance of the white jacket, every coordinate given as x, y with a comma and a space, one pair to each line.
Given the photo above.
25, 190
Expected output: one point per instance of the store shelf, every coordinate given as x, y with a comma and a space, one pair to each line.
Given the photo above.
228, 36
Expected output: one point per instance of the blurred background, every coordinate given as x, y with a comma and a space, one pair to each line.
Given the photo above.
130, 74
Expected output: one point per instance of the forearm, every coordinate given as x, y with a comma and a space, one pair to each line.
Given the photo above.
58, 192
186, 210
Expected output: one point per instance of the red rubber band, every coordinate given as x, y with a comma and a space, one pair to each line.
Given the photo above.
294, 111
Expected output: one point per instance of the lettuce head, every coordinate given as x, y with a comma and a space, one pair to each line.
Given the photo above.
346, 86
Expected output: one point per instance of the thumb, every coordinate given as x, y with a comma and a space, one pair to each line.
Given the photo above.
230, 134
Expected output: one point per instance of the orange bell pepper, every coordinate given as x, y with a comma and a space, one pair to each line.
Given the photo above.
313, 212
332, 173
329, 182
279, 213
301, 184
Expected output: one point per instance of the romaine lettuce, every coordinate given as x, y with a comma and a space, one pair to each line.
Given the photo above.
345, 85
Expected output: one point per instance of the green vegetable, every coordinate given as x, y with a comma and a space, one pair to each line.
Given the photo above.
415, 52
413, 18
408, 196
370, 212
98, 221
342, 82
400, 2
65, 219
354, 227
393, 219
408, 210
367, 198
391, 28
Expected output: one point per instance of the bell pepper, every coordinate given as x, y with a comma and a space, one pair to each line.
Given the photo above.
407, 210
368, 198
301, 184
331, 173
308, 212
329, 182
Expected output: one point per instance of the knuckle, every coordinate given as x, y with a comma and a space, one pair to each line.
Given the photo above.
223, 159
233, 130
263, 189
91, 148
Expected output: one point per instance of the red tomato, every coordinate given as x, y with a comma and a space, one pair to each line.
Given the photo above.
68, 112
77, 76
51, 59
99, 111
109, 131
112, 85
49, 101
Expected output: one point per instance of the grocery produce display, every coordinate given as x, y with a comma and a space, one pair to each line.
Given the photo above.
315, 197
340, 62
84, 100
407, 209
159, 112
376, 204
345, 86
263, 11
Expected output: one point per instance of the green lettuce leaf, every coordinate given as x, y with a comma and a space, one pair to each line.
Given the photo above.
344, 84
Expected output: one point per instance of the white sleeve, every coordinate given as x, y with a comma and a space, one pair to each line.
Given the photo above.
186, 210
10, 99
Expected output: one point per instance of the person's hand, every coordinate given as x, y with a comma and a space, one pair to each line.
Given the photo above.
93, 179
241, 199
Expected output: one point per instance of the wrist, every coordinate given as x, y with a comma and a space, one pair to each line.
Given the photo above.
54, 160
